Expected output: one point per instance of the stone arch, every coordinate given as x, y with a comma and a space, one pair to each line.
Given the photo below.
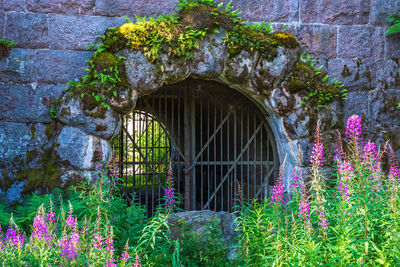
263, 80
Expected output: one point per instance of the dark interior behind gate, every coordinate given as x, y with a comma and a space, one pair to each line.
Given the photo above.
216, 141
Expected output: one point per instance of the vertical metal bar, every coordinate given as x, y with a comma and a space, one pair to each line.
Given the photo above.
234, 195
229, 185
255, 178
208, 153
241, 160
222, 157
187, 145
192, 96
201, 157
262, 163
153, 124
215, 157
268, 164
248, 157
179, 99
121, 153
133, 166
147, 153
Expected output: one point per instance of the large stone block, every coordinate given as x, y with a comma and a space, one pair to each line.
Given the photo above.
2, 18
79, 150
209, 60
392, 46
319, 40
382, 107
16, 140
356, 103
27, 102
14, 5
360, 42
27, 30
272, 10
144, 76
71, 113
335, 11
78, 32
19, 66
60, 66
239, 67
382, 9
135, 7
354, 73
387, 73
61, 6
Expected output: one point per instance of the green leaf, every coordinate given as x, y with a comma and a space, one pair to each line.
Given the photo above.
395, 28
325, 78
393, 18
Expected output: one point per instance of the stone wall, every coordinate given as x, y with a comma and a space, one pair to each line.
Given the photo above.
347, 36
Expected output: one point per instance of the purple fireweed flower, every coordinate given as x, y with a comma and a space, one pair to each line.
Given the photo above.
370, 153
109, 245
296, 180
67, 250
39, 229
346, 174
13, 237
97, 241
169, 198
50, 217
110, 263
394, 172
169, 193
304, 209
323, 221
277, 193
71, 221
137, 262
317, 155
125, 256
353, 129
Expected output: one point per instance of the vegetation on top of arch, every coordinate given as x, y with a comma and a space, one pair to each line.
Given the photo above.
177, 35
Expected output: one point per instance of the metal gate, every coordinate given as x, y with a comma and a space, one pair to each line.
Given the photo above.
217, 142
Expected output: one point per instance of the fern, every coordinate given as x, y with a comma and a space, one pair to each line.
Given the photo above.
395, 28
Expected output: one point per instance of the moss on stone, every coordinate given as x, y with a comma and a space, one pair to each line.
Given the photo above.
101, 128
106, 60
30, 155
345, 71
200, 16
47, 177
284, 39
33, 131
49, 131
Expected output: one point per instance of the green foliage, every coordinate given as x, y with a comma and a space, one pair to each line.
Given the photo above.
53, 113
395, 27
322, 90
207, 248
354, 223
7, 43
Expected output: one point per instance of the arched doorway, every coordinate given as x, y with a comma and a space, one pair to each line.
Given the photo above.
217, 141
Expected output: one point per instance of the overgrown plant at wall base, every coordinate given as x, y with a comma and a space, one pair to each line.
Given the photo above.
178, 36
